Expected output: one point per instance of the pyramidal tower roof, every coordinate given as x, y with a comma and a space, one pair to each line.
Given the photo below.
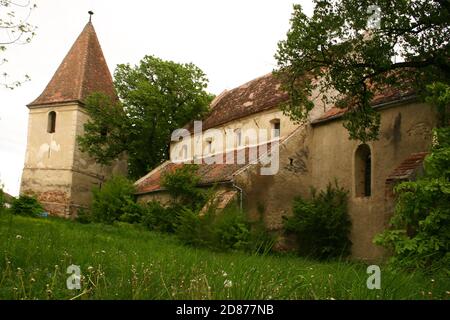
82, 72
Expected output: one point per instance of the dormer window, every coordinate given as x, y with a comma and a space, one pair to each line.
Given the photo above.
51, 123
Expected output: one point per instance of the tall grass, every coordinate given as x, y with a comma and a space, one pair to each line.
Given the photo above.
127, 262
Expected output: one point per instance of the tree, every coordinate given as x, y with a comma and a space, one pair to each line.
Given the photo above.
14, 29
156, 97
337, 49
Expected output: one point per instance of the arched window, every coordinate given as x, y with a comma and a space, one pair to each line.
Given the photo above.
363, 171
51, 124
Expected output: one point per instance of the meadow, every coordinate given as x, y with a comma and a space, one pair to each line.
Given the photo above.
124, 261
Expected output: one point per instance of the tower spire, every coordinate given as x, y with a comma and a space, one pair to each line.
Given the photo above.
82, 72
91, 13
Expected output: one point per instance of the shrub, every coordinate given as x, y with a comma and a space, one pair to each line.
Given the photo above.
158, 218
322, 225
27, 206
182, 185
419, 234
193, 229
112, 200
231, 230
83, 216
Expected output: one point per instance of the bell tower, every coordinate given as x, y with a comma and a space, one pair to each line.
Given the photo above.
55, 170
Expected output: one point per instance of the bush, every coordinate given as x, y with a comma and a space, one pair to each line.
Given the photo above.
113, 201
26, 206
194, 229
83, 216
158, 218
420, 227
322, 225
226, 230
182, 185
231, 230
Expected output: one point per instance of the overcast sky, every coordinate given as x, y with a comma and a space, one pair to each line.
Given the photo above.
232, 41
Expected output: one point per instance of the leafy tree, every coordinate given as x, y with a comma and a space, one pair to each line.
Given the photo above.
14, 29
336, 48
156, 97
420, 228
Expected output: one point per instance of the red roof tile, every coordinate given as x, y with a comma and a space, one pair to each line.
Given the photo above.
390, 94
82, 72
408, 167
260, 94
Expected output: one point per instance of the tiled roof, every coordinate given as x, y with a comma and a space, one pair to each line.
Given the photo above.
82, 72
408, 167
390, 94
208, 173
260, 94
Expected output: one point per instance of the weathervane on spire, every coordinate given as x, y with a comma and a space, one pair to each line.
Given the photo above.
90, 15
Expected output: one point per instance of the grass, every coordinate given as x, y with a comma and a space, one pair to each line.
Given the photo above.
126, 262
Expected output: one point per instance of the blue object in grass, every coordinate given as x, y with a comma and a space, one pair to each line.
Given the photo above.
44, 214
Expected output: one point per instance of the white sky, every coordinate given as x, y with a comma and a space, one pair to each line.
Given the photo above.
232, 41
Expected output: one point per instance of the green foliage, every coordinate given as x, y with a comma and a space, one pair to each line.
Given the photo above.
322, 225
194, 229
225, 230
159, 218
83, 216
2, 199
182, 185
231, 230
334, 49
26, 206
156, 97
114, 201
420, 228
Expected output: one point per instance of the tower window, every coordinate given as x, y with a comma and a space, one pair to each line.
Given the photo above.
51, 125
363, 171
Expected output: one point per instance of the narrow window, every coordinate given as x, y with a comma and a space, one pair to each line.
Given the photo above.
363, 171
51, 125
276, 128
209, 146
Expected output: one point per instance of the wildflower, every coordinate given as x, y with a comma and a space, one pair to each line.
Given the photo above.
224, 274
228, 283
432, 280
103, 251
19, 237
32, 280
332, 298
